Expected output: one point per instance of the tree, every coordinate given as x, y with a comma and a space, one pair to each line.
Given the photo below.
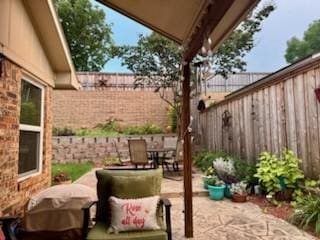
87, 33
309, 44
229, 57
155, 60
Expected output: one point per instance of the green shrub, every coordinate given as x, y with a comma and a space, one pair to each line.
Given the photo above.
214, 181
63, 131
243, 171
270, 169
307, 213
85, 132
112, 128
141, 130
111, 125
203, 160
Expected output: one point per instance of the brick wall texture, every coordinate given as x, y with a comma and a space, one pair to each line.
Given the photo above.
13, 193
91, 106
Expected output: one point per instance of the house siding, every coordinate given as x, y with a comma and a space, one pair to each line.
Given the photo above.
19, 40
14, 193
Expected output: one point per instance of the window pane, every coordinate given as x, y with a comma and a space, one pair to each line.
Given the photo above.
30, 104
28, 151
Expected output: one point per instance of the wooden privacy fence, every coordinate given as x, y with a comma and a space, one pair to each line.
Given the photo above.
279, 111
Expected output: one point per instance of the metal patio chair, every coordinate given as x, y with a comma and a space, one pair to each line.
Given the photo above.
138, 153
172, 157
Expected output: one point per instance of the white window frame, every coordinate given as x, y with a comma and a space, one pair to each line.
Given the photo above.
32, 128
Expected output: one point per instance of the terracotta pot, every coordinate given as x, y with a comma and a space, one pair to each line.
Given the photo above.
239, 198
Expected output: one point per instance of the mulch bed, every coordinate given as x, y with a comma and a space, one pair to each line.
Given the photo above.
283, 211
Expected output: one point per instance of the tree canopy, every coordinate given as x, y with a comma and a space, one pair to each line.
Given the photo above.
309, 44
155, 60
87, 33
229, 57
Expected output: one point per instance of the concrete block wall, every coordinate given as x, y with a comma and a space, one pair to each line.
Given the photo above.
98, 149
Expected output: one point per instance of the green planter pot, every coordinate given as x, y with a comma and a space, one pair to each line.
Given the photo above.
216, 192
227, 192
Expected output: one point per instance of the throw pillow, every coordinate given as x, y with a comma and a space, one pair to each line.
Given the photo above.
133, 214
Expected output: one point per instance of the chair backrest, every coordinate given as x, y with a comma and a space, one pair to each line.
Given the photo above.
138, 151
170, 142
125, 183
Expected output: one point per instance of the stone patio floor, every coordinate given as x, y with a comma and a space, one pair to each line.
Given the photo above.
219, 220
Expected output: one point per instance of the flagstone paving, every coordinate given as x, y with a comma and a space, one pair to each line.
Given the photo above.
226, 220
219, 220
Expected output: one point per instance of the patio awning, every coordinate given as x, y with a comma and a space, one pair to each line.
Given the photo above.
187, 22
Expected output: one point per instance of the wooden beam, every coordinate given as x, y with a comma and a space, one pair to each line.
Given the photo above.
187, 160
210, 20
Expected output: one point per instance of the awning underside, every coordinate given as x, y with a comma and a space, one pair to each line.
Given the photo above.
187, 22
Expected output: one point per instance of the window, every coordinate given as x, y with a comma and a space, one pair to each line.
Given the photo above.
31, 128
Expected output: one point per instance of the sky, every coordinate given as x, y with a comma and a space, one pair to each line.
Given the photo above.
291, 18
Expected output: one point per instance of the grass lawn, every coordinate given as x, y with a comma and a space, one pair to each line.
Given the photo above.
75, 170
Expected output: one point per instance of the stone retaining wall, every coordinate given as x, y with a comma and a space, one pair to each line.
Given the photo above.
97, 149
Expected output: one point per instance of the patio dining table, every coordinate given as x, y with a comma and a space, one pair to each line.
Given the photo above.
155, 154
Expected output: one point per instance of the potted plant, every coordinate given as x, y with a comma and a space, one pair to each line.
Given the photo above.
228, 180
208, 173
279, 177
226, 172
239, 192
62, 178
216, 188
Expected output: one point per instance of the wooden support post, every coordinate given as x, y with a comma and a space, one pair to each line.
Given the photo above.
187, 159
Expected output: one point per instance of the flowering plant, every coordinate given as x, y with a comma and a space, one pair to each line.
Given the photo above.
239, 188
225, 170
214, 181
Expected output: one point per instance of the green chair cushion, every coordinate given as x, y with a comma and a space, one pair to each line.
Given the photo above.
125, 184
99, 232
134, 186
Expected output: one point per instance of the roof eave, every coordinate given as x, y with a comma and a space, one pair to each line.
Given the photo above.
50, 32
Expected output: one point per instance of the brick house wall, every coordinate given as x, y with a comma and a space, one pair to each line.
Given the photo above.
87, 108
14, 193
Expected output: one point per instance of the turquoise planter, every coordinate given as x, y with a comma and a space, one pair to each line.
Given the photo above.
227, 192
216, 192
